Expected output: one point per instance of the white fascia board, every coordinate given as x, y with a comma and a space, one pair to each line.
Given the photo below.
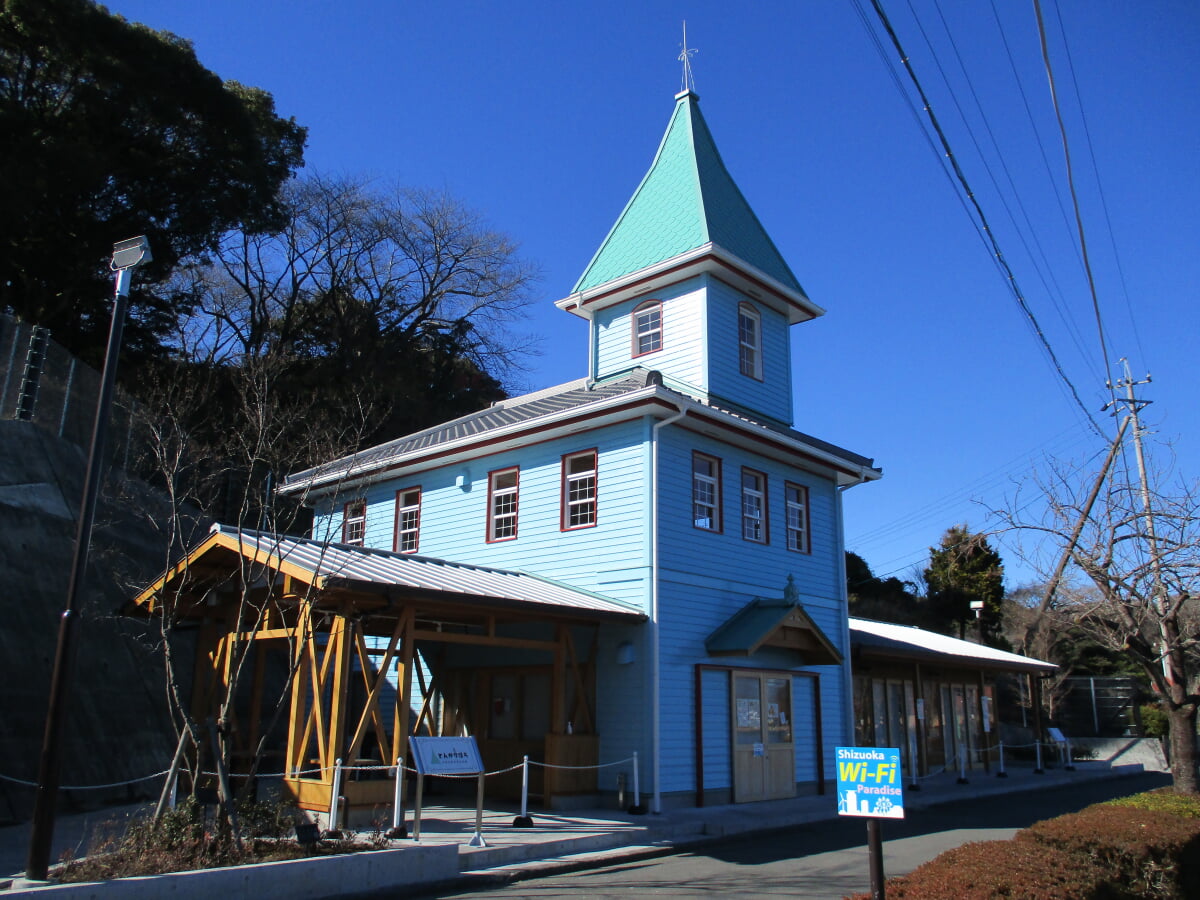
706, 258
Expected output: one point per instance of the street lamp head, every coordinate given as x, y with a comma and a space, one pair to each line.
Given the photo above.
130, 253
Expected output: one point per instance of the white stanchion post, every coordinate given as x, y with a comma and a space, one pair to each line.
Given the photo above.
173, 789
637, 807
962, 767
398, 828
912, 770
1039, 770
1068, 765
523, 820
333, 797
1001, 773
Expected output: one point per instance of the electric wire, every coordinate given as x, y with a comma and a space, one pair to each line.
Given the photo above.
1062, 129
1100, 193
985, 228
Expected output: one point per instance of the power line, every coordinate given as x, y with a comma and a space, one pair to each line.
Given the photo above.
984, 227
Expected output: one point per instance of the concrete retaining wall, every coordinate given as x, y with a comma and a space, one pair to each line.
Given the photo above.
297, 879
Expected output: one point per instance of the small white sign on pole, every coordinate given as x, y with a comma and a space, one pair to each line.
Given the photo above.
447, 756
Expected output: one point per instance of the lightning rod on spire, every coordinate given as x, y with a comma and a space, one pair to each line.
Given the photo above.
689, 82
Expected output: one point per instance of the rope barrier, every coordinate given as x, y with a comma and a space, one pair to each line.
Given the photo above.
88, 787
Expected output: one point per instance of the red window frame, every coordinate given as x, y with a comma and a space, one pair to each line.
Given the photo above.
495, 534
717, 519
762, 493
354, 522
635, 331
401, 508
755, 368
805, 529
569, 505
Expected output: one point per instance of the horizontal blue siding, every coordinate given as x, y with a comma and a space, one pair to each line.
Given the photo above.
773, 395
682, 356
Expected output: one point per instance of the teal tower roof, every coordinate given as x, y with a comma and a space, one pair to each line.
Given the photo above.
687, 200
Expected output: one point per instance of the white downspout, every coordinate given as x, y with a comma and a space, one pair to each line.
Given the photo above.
655, 679
843, 593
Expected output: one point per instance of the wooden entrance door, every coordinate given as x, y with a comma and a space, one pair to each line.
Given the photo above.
764, 755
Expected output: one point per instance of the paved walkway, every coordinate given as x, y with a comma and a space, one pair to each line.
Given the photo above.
579, 839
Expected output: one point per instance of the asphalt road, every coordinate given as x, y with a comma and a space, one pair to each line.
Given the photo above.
821, 861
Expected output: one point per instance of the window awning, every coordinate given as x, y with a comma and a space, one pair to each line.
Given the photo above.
781, 624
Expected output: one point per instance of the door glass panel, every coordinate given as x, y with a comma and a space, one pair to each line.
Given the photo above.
779, 710
879, 705
747, 706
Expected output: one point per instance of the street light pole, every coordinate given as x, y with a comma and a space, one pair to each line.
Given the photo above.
127, 255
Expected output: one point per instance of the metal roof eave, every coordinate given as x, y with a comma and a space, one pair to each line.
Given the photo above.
707, 257
847, 471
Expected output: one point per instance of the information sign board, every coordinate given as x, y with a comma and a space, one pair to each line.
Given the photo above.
446, 755
869, 782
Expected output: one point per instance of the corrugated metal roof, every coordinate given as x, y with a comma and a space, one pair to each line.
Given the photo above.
526, 409
885, 638
365, 568
514, 411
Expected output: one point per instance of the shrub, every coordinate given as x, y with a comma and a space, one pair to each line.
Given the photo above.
1163, 800
1155, 723
1012, 870
1149, 852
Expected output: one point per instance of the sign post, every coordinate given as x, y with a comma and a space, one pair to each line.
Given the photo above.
447, 756
869, 784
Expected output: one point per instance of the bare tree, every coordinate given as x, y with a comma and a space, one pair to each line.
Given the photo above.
1135, 545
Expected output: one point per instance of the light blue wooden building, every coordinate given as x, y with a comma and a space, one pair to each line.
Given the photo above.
668, 487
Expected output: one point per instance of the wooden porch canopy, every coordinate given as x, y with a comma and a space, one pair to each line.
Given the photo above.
320, 603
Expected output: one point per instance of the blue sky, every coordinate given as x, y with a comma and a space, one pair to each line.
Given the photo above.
544, 117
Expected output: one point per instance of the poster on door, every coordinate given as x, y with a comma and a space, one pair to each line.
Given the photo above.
869, 782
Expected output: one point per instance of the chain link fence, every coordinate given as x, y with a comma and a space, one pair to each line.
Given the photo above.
41, 382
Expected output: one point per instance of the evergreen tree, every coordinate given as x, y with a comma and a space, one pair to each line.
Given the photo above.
962, 570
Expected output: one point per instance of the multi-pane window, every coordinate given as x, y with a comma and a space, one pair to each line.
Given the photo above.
749, 341
408, 519
579, 490
706, 492
754, 506
647, 328
796, 498
502, 505
354, 522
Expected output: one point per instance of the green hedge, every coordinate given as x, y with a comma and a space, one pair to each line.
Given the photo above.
1144, 846
990, 870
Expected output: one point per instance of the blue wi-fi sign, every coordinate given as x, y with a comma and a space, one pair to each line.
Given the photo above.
869, 782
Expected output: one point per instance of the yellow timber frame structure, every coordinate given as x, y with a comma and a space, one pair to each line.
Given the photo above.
334, 646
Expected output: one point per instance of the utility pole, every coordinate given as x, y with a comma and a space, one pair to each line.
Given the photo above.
1158, 599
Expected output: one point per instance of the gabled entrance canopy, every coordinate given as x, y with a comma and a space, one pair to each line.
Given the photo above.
347, 628
782, 624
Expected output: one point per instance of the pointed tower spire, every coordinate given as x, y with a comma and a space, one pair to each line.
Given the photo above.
689, 213
689, 81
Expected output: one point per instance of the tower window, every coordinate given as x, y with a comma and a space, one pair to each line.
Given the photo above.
647, 328
749, 341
